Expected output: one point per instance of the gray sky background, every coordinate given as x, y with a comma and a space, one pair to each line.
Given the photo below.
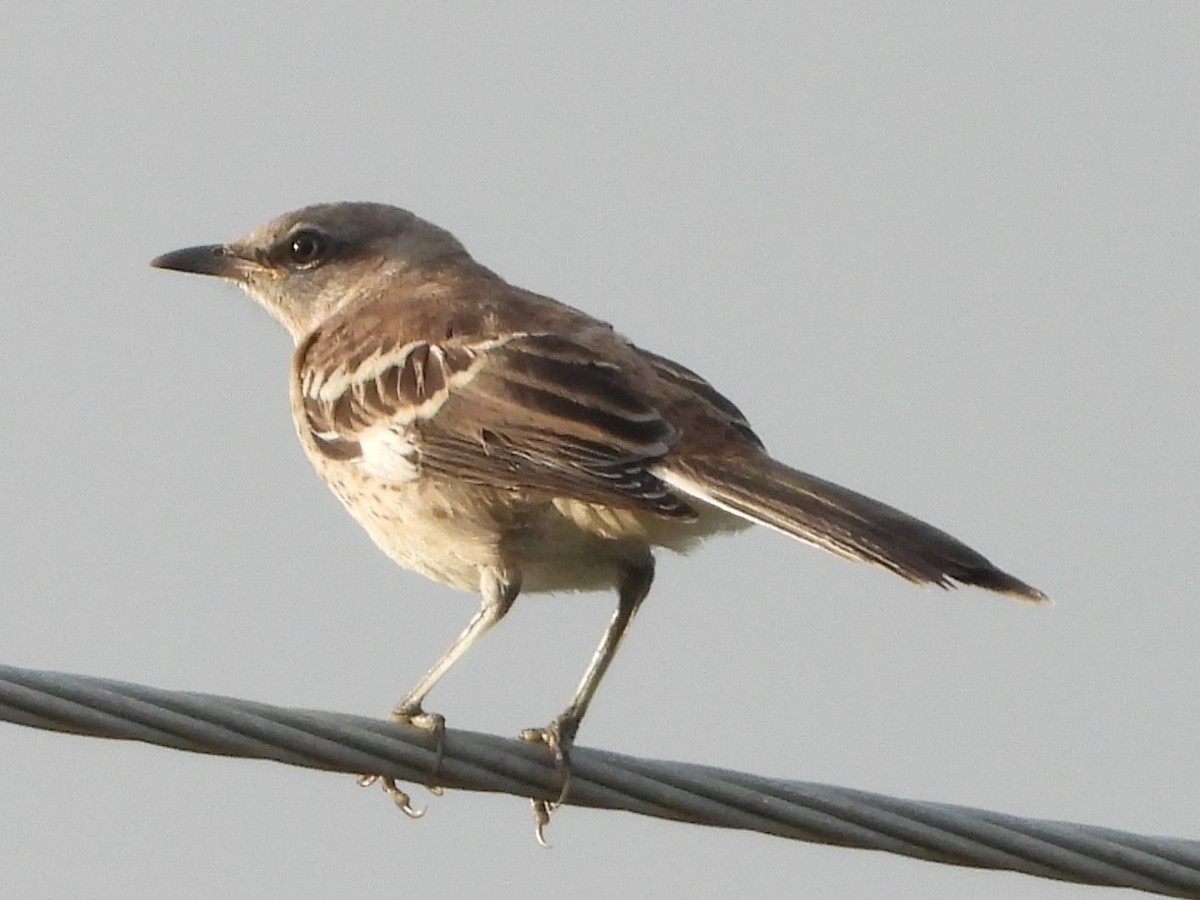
943, 254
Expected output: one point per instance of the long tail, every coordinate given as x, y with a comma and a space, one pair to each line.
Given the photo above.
838, 520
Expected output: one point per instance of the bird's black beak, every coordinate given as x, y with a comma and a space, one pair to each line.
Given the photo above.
211, 259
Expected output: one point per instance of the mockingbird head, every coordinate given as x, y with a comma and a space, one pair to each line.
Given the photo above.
304, 264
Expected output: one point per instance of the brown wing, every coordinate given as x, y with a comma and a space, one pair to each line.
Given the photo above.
527, 411
710, 405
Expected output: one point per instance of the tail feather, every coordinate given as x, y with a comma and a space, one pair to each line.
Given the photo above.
839, 520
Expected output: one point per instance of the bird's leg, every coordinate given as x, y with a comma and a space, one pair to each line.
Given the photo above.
497, 591
559, 735
497, 594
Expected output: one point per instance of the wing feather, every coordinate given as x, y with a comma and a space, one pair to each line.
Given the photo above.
538, 412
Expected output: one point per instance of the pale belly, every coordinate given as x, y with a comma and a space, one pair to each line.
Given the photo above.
453, 532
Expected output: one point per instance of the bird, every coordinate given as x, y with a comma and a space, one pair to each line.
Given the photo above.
501, 442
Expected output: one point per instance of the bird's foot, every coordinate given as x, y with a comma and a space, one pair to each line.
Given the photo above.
434, 723
399, 796
414, 715
411, 714
559, 736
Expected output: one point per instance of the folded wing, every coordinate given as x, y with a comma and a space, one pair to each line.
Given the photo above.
536, 411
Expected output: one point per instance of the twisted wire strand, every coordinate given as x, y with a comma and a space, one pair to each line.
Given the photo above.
817, 813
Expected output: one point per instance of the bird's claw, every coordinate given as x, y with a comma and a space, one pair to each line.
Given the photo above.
393, 790
558, 736
431, 722
541, 818
434, 723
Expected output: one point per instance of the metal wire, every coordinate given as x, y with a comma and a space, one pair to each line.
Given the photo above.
826, 814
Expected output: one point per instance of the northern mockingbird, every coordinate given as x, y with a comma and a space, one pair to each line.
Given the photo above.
499, 441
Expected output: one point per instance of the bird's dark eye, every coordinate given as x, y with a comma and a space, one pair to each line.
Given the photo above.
306, 248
